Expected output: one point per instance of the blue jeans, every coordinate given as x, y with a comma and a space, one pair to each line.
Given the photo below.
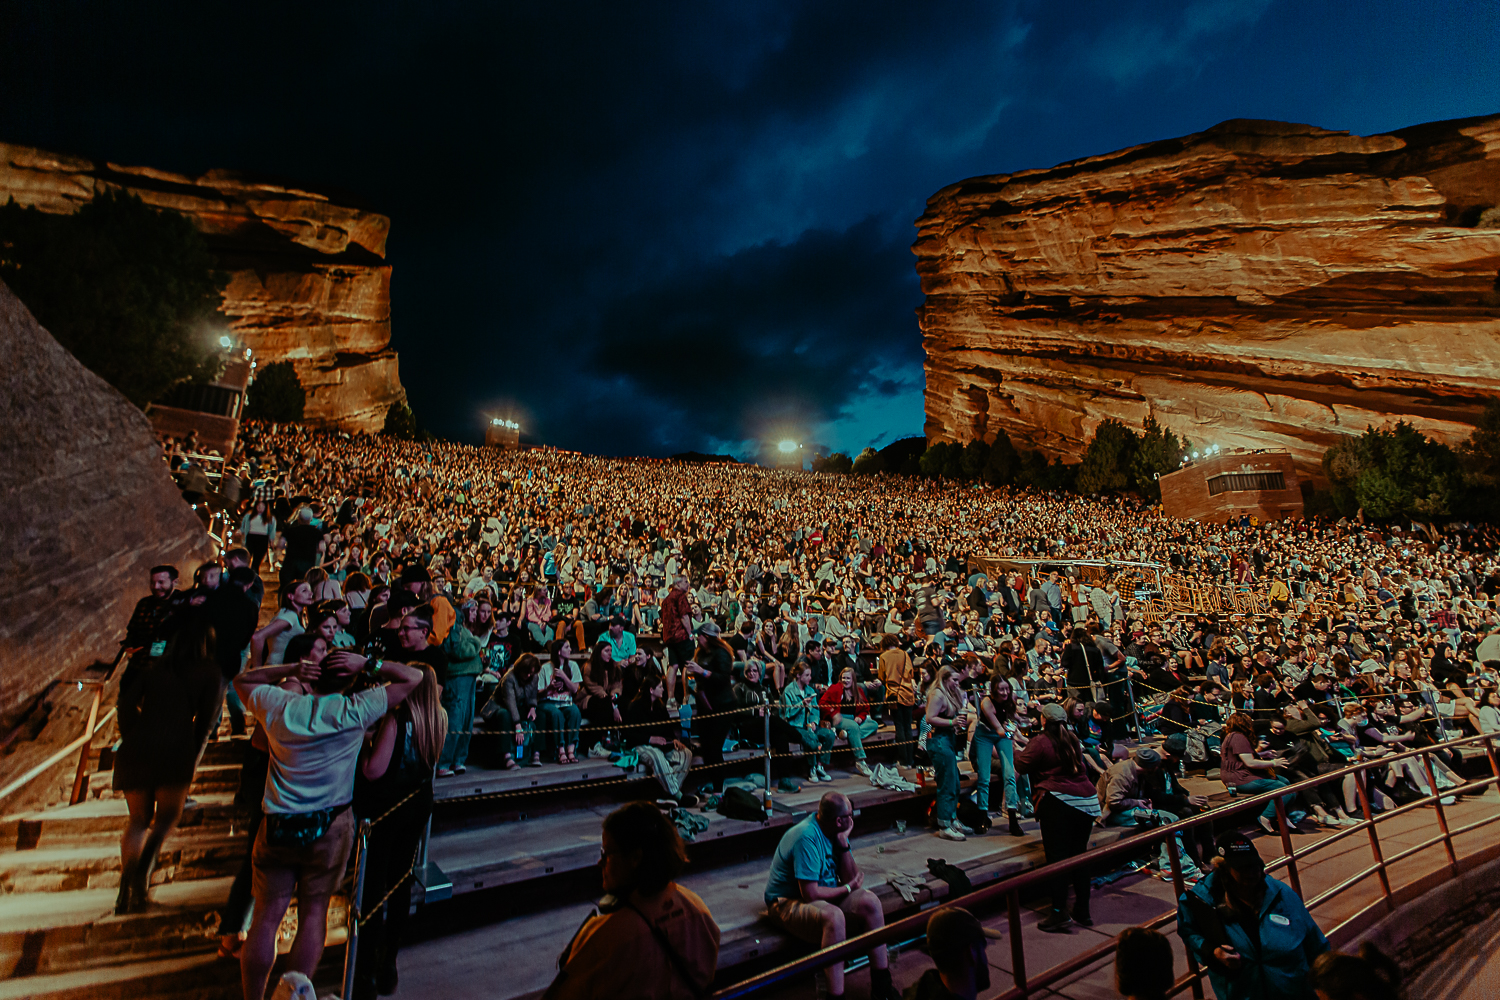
540, 633
561, 719
856, 732
945, 763
1260, 785
521, 751
819, 741
986, 741
458, 702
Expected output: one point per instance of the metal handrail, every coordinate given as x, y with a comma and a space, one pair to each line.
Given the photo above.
1010, 889
90, 729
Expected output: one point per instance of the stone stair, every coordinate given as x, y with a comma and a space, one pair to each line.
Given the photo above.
59, 874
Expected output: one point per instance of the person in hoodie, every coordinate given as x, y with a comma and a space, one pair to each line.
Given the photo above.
1249, 931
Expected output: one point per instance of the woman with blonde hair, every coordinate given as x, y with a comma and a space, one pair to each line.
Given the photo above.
947, 716
394, 785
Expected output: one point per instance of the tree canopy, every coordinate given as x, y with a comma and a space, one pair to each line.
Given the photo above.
276, 394
132, 292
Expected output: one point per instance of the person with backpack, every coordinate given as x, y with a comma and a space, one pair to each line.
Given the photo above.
649, 937
1250, 932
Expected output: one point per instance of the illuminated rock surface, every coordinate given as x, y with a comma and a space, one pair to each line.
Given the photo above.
1260, 284
308, 278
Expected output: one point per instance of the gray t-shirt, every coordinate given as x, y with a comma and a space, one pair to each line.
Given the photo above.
315, 743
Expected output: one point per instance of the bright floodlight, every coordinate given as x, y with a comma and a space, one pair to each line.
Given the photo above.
225, 342
786, 447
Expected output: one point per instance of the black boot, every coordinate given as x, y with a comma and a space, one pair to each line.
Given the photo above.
124, 901
1057, 921
1015, 823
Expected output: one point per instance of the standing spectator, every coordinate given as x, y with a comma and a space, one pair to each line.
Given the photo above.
395, 773
677, 632
949, 721
996, 734
1248, 930
268, 646
165, 717
897, 674
713, 666
815, 887
650, 938
304, 544
1066, 807
463, 657
1083, 662
146, 633
303, 846
258, 529
957, 942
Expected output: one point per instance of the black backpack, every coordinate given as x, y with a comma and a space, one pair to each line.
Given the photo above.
741, 803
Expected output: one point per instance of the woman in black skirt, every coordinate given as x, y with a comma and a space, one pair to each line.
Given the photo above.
165, 717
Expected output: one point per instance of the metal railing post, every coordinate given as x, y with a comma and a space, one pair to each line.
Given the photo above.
766, 714
80, 778
1375, 851
1176, 861
1017, 948
351, 947
1286, 845
1442, 817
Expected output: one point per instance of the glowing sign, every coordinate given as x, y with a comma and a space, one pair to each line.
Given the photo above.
509, 425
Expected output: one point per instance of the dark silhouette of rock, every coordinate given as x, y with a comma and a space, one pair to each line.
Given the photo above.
87, 506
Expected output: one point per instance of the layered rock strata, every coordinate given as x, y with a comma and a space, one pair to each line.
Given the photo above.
1257, 285
89, 508
308, 279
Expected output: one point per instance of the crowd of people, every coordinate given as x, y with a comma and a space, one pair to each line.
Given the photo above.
436, 599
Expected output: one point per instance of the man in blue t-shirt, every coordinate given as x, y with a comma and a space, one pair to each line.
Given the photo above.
815, 887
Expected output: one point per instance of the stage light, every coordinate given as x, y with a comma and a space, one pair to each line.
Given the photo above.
1195, 454
787, 447
225, 342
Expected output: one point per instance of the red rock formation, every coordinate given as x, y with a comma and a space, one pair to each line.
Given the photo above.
1260, 284
89, 508
308, 278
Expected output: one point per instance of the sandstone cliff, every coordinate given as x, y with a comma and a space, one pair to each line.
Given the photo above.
89, 508
308, 280
1260, 284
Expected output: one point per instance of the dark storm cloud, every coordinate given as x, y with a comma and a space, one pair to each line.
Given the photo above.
652, 228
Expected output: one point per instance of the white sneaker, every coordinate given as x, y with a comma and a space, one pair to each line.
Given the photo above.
1267, 824
963, 828
812, 776
863, 768
1349, 821
949, 833
823, 773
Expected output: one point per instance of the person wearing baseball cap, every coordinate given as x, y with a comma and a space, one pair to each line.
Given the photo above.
1251, 932
956, 940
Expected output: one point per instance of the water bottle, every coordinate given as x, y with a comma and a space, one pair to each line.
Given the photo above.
685, 717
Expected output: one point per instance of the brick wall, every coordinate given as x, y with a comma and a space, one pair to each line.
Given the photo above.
1184, 493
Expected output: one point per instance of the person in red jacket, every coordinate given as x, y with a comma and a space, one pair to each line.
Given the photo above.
1066, 806
846, 709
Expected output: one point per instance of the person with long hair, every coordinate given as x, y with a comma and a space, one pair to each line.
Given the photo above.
651, 936
713, 667
1067, 805
258, 528
896, 672
165, 716
269, 643
518, 697
395, 772
948, 717
604, 685
1240, 768
560, 681
846, 710
996, 734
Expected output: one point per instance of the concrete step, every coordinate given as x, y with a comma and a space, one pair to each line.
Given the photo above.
44, 934
101, 820
185, 977
208, 779
97, 866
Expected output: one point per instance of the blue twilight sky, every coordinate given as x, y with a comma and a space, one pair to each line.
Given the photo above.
649, 228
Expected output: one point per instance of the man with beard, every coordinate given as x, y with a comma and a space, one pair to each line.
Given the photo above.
146, 634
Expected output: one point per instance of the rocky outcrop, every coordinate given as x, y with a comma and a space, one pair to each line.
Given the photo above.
1258, 285
308, 279
89, 508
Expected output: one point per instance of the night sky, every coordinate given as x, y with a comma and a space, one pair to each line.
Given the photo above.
650, 228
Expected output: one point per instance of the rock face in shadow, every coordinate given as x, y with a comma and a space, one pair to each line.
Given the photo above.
308, 278
88, 506
1257, 285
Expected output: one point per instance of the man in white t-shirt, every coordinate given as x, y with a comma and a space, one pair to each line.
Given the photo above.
303, 846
